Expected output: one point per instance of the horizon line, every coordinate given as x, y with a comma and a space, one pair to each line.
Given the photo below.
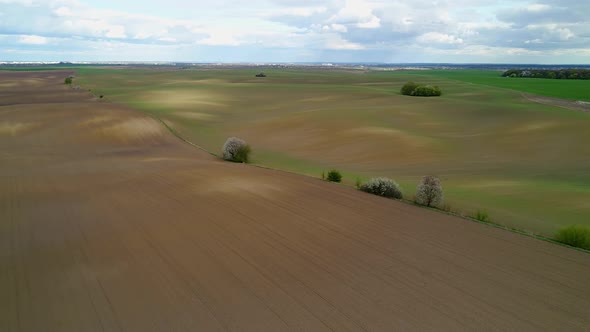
321, 63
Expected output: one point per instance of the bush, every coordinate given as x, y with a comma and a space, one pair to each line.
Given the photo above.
415, 89
446, 207
429, 191
358, 183
575, 236
68, 80
383, 187
334, 176
426, 91
243, 154
408, 88
482, 215
236, 149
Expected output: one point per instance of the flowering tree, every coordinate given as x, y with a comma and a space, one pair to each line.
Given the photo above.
382, 187
236, 149
429, 191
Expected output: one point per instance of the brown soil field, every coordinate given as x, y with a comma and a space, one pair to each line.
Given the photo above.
108, 222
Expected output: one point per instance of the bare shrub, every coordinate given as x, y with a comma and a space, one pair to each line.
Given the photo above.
429, 191
382, 187
236, 149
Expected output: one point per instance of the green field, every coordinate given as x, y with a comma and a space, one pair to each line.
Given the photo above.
527, 164
567, 89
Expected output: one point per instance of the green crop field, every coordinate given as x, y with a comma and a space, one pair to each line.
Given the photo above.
567, 89
527, 164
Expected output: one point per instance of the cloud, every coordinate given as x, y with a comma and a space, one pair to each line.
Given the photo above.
63, 12
303, 30
220, 38
539, 13
538, 7
337, 43
296, 11
438, 38
33, 40
356, 12
335, 27
373, 22
552, 32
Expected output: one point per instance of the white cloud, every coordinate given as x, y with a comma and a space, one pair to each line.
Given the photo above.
564, 33
537, 7
335, 42
357, 12
63, 12
553, 32
521, 51
295, 11
115, 31
382, 28
20, 2
221, 38
374, 22
167, 39
335, 27
33, 40
438, 38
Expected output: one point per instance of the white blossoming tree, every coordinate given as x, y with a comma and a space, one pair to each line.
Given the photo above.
382, 187
429, 191
236, 149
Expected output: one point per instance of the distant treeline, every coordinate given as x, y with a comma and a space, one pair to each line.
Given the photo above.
563, 74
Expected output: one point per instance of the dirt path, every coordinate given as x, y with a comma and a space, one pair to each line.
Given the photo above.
582, 106
110, 223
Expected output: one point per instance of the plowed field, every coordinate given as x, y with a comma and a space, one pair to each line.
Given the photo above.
108, 222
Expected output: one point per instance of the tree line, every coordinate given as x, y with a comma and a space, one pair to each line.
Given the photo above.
563, 74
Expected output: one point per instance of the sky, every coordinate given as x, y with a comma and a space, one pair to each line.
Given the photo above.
417, 31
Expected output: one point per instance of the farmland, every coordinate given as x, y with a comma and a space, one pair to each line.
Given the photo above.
108, 222
567, 89
523, 162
